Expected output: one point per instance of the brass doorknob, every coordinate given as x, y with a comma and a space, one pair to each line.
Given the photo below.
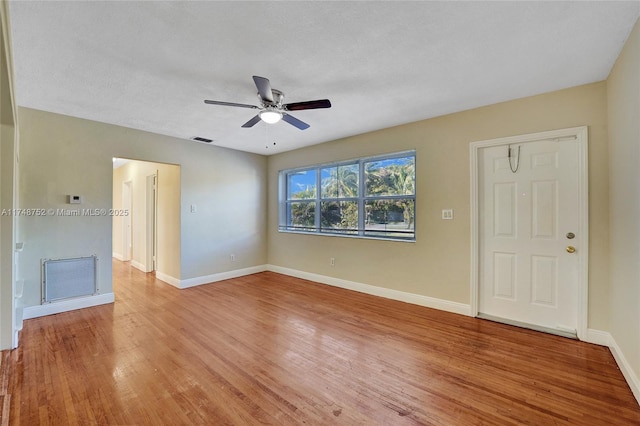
571, 249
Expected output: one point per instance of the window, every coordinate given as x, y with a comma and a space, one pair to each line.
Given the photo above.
370, 197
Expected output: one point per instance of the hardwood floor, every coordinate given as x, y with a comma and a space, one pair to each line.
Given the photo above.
5, 397
271, 349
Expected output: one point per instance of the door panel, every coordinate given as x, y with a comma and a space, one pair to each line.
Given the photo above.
505, 210
544, 209
544, 280
504, 284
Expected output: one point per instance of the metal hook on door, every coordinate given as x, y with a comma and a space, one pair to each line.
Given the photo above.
517, 159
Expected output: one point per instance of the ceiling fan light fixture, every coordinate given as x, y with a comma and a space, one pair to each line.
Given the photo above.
270, 116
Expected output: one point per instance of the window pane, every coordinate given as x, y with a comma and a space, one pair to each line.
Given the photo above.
390, 218
301, 185
395, 176
339, 215
301, 215
339, 181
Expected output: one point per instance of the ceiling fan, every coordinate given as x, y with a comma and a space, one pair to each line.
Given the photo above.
271, 107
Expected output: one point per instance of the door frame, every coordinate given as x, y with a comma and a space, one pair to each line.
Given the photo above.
580, 135
151, 221
127, 237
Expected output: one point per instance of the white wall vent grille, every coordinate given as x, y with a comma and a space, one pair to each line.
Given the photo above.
69, 278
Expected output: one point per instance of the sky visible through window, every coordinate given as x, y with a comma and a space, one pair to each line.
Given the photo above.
302, 184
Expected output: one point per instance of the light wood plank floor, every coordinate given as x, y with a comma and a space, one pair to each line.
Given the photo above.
271, 349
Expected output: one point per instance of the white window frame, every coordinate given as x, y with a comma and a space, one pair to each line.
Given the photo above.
361, 199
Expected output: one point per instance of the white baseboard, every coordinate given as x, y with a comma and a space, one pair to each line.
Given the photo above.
597, 337
140, 266
604, 338
168, 279
67, 305
208, 279
117, 256
625, 367
416, 299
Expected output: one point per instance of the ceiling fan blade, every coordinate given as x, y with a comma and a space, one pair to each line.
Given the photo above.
264, 88
252, 122
294, 121
297, 106
233, 104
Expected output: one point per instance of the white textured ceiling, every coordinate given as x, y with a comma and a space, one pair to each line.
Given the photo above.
150, 65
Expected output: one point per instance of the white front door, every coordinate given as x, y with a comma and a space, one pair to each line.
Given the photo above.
529, 233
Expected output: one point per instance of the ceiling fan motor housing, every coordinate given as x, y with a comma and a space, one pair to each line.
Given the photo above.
278, 97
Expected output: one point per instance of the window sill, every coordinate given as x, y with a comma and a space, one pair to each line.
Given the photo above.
357, 237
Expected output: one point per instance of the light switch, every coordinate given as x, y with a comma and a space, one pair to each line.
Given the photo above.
447, 214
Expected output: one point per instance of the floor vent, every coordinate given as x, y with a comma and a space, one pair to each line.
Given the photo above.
69, 278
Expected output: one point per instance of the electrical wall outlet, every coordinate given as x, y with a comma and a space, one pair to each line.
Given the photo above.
332, 261
232, 257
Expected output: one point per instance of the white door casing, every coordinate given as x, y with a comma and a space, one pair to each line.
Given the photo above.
521, 270
127, 221
151, 222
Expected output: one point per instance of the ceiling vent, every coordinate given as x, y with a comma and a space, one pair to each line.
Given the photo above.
199, 139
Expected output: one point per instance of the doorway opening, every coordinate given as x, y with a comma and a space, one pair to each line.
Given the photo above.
146, 216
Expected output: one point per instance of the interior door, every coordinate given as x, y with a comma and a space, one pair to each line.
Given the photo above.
528, 234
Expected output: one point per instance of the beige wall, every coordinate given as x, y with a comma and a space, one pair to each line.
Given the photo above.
63, 155
168, 214
623, 88
438, 263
